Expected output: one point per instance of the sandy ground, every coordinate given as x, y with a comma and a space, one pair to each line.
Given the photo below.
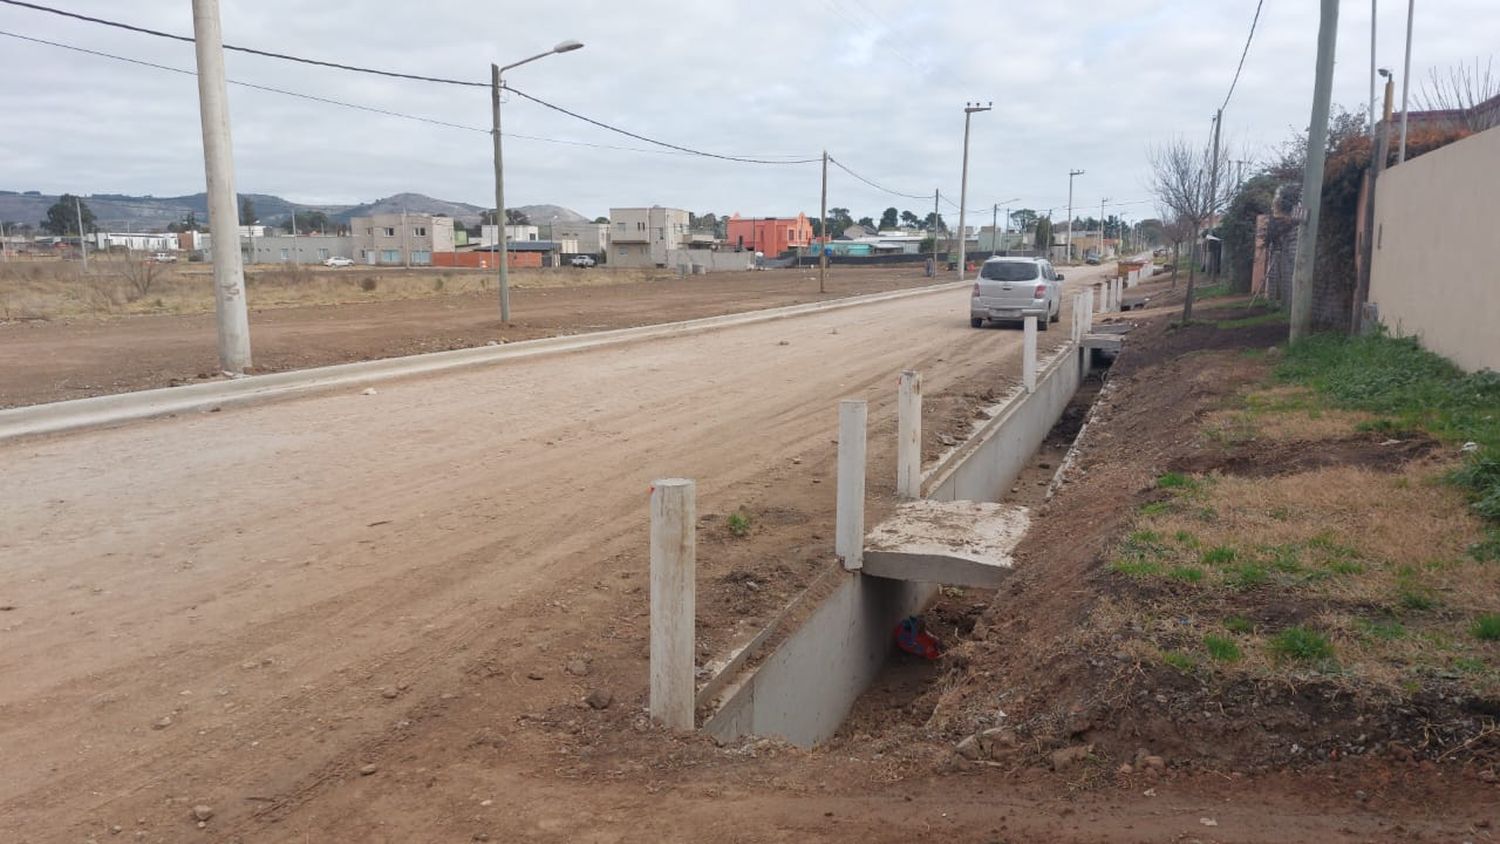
43, 361
240, 608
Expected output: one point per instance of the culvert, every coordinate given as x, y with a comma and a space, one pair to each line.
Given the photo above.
800, 685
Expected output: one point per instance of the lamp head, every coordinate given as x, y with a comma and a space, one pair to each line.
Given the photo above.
568, 46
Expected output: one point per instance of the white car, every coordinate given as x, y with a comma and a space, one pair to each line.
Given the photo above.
164, 258
338, 261
1015, 288
583, 261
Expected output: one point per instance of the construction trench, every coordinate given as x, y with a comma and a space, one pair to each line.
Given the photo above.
799, 677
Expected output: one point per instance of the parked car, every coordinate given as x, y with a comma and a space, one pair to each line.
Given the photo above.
1016, 288
338, 261
164, 258
583, 261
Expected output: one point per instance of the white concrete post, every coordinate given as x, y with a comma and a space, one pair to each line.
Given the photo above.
1028, 356
1120, 294
1103, 297
674, 558
909, 435
849, 527
1088, 314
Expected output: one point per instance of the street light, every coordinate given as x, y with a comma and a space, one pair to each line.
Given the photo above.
495, 84
995, 223
963, 186
1071, 174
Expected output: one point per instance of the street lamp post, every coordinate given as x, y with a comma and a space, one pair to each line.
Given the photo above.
963, 187
1071, 175
496, 84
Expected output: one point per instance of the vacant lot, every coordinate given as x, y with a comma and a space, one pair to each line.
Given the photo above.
59, 358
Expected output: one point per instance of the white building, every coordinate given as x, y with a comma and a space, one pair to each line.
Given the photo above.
513, 234
592, 238
642, 237
135, 242
299, 249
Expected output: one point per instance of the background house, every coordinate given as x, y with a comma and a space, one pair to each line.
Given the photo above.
395, 240
591, 238
642, 237
772, 236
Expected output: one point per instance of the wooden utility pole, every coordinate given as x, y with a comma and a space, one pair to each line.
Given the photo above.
1312, 173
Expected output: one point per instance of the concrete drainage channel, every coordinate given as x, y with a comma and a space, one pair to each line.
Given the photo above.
799, 677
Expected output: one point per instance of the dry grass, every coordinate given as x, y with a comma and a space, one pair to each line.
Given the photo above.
1281, 414
117, 285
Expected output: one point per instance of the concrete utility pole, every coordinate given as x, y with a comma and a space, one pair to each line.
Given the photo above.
963, 188
994, 229
223, 210
1377, 166
1213, 187
1312, 174
1071, 175
1411, 14
935, 198
496, 83
1102, 200
83, 249
1373, 4
822, 215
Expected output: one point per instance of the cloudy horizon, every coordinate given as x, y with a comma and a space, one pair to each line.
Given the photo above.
881, 85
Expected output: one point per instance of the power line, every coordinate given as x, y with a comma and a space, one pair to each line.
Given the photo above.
627, 133
835, 162
397, 75
1243, 54
330, 101
250, 50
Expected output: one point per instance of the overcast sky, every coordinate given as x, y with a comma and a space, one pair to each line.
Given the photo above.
880, 84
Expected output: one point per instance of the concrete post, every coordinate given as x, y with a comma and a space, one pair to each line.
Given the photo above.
1088, 313
674, 520
849, 527
909, 435
1028, 356
1103, 297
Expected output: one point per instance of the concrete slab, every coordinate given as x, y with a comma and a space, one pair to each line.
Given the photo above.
955, 543
1107, 342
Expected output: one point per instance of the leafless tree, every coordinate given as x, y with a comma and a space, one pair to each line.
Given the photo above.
1177, 232
1187, 183
140, 272
1463, 89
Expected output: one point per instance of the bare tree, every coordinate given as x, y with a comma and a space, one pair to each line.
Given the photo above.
1177, 232
1463, 89
140, 272
1194, 189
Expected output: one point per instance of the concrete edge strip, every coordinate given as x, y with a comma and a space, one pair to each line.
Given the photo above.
99, 411
950, 463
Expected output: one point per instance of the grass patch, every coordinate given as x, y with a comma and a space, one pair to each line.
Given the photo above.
1486, 628
1222, 648
1301, 644
1269, 318
1385, 631
1176, 480
1248, 576
1219, 555
1212, 291
1136, 567
1239, 624
1157, 508
1186, 574
1178, 660
1411, 389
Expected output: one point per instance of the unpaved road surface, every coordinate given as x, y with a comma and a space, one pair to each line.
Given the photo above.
43, 361
238, 608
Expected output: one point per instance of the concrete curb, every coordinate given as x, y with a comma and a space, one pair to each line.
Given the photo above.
76, 414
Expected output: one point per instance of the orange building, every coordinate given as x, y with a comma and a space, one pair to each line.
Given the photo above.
770, 235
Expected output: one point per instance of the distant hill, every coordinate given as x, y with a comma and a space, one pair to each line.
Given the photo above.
154, 213
541, 215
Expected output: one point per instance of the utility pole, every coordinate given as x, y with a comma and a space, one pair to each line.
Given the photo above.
1373, 4
994, 229
1411, 13
295, 258
823, 215
223, 211
1377, 166
963, 187
1102, 200
83, 249
1312, 174
502, 259
935, 197
1213, 189
1071, 175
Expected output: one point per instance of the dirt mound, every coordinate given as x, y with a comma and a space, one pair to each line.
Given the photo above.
1376, 452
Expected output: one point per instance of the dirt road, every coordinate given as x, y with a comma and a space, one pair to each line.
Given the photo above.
42, 361
235, 608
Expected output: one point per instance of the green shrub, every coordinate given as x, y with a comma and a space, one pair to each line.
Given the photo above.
738, 523
1178, 660
1186, 574
1238, 624
1219, 555
1487, 627
1175, 480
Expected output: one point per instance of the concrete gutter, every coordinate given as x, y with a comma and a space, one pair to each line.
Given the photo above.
76, 414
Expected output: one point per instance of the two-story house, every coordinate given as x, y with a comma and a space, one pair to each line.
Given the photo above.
400, 240
642, 237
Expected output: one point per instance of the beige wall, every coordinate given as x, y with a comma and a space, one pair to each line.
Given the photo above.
1436, 272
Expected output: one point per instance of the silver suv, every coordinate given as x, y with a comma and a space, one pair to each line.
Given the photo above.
1016, 288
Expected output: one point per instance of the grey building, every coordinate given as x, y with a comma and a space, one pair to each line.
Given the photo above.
302, 249
396, 240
